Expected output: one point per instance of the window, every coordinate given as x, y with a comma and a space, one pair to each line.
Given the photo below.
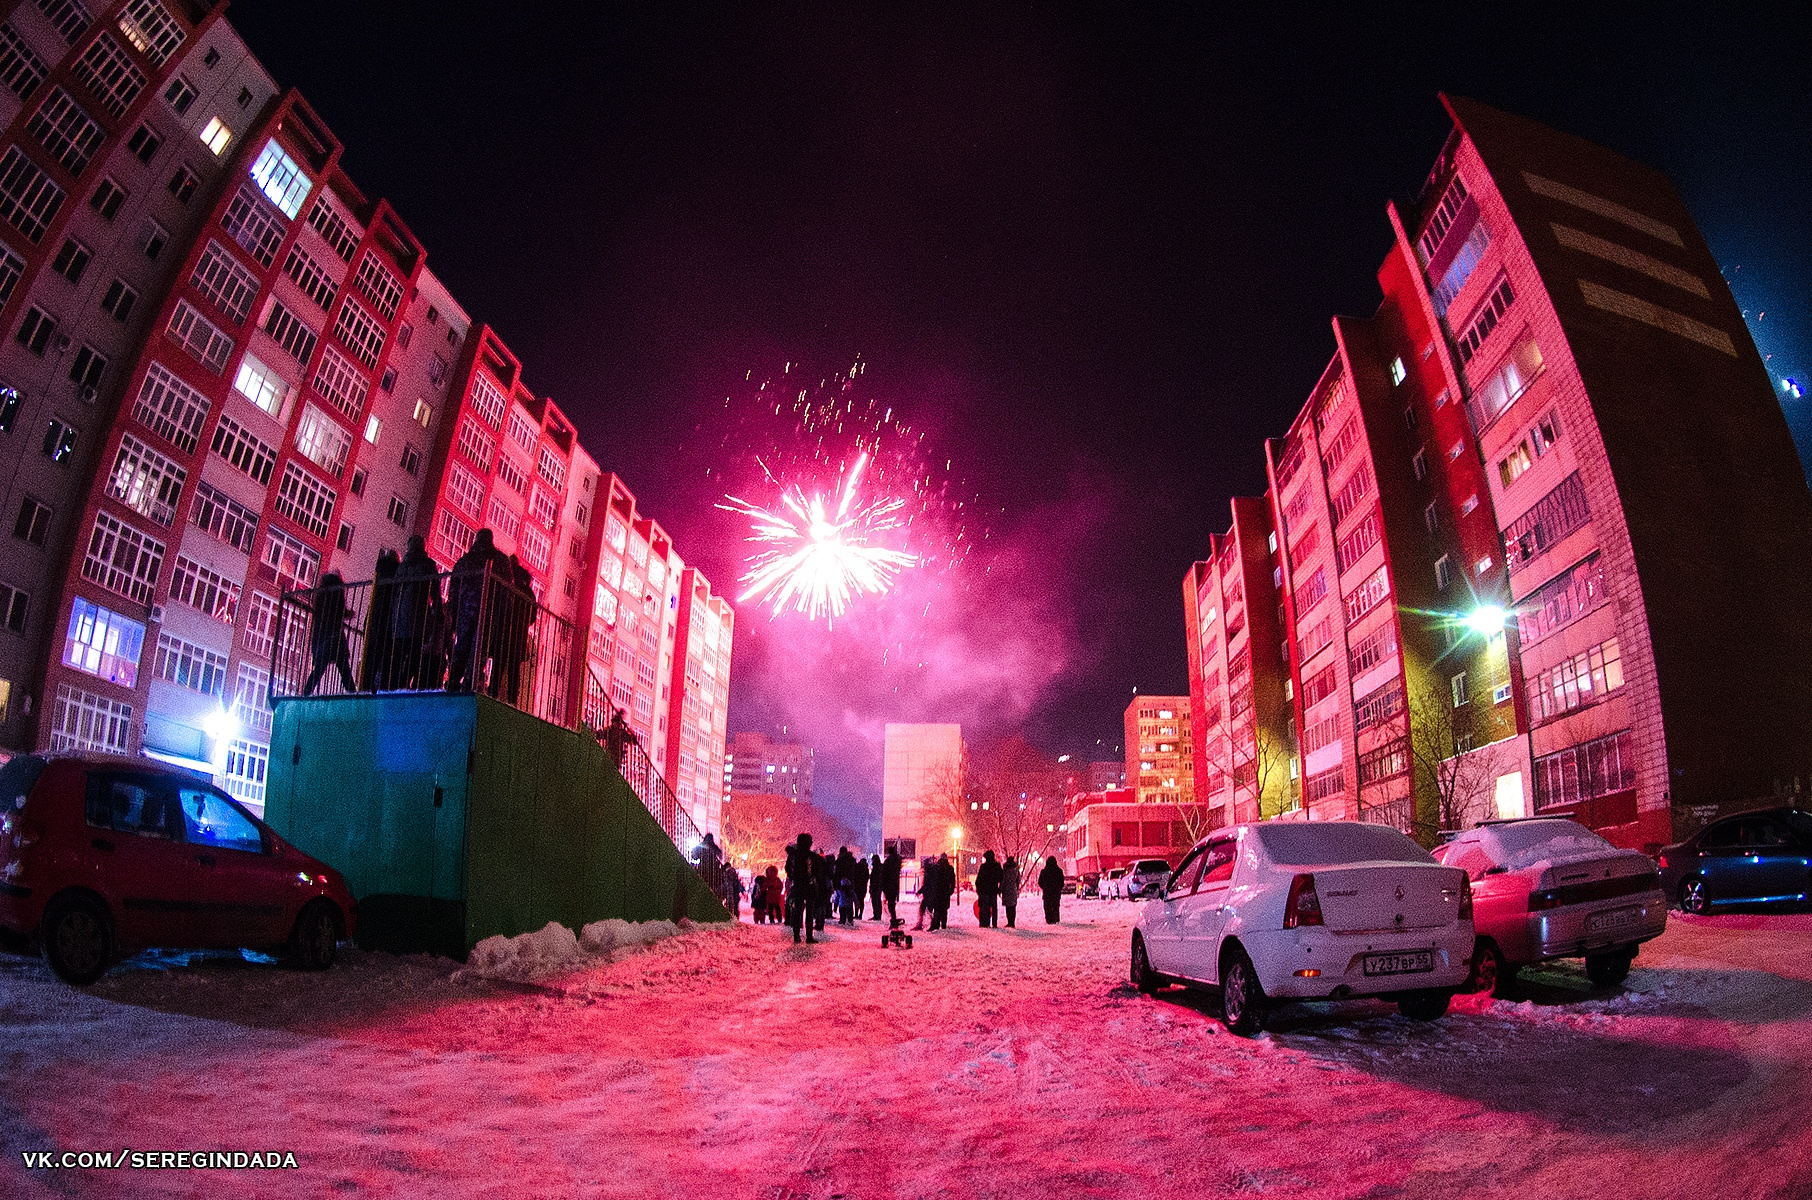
501, 517
523, 431
152, 238
1325, 785
12, 268
322, 441
190, 666
216, 513
1483, 564
424, 413
251, 698
183, 184
344, 540
1441, 220
1361, 538
211, 59
1460, 269
1367, 595
1561, 601
1518, 369
10, 400
119, 300
1357, 486
35, 331
180, 94
545, 508
215, 135
1379, 706
170, 408
102, 643
474, 443
1431, 516
1545, 433
144, 143
107, 199
106, 71
279, 177
290, 332
1461, 695
1484, 321
411, 460
295, 565
1319, 686
84, 721
1342, 445
1469, 503
404, 334
121, 559
465, 491
262, 614
1419, 464
487, 401
1586, 772
150, 27
511, 475
145, 481
87, 369
360, 332
341, 382
1397, 372
33, 522
29, 201
551, 468
200, 337
226, 284
245, 97
380, 285
246, 763
71, 261
332, 227
535, 547
1552, 518
14, 604
452, 537
21, 70
399, 512
1310, 593
1583, 679
437, 369
388, 382
305, 500
359, 476
244, 450
254, 224
1386, 762
374, 425
70, 135
1511, 467
1443, 572
204, 590
1454, 451
261, 385
1374, 648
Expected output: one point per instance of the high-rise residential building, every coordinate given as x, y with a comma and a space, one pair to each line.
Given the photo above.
225, 371
1160, 767
1103, 776
1541, 520
921, 785
765, 764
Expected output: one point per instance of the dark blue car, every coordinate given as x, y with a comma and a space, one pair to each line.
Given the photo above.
1756, 858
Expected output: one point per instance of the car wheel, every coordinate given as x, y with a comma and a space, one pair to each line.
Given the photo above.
1144, 978
1610, 969
1490, 974
77, 939
316, 937
1424, 1006
1692, 896
1242, 997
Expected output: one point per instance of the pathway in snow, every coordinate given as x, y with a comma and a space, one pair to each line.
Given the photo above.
728, 1063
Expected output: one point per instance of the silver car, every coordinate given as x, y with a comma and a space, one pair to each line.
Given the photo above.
1145, 879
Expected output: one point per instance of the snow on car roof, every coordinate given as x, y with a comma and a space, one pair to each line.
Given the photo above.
1513, 838
1321, 843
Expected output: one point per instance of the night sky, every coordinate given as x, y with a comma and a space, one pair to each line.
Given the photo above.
1094, 255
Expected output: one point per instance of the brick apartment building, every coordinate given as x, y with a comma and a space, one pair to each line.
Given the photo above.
1159, 767
1540, 526
226, 371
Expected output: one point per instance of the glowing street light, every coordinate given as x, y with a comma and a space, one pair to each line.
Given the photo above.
1486, 619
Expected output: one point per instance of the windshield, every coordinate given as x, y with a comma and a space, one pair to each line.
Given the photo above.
16, 779
1331, 842
1520, 840
1152, 866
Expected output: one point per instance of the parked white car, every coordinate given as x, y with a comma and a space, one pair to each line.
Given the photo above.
1308, 911
1145, 879
1551, 888
1110, 884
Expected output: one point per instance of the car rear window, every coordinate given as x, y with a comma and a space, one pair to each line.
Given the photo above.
16, 779
1799, 820
1149, 866
1329, 842
1523, 841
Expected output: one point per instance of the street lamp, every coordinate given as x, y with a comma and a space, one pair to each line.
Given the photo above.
1486, 619
956, 835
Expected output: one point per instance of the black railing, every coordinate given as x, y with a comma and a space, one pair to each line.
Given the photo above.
610, 726
426, 632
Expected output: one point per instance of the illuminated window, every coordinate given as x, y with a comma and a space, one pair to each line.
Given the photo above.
261, 385
1397, 371
374, 425
424, 413
278, 175
215, 135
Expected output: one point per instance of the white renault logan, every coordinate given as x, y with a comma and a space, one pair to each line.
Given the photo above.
1307, 911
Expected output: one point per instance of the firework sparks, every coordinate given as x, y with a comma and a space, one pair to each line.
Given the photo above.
821, 551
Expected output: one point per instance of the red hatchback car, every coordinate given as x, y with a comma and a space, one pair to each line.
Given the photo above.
100, 854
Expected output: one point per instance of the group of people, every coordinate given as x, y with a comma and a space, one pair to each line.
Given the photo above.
474, 638
819, 886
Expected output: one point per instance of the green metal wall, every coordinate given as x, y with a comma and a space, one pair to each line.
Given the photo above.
454, 817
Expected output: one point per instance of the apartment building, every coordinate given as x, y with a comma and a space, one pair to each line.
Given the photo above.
765, 764
1160, 767
921, 786
1541, 520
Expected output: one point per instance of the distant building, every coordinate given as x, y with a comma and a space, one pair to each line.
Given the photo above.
921, 763
1104, 776
1111, 829
1160, 767
758, 763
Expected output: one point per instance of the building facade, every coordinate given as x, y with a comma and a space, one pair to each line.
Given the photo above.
759, 763
1521, 510
1159, 765
921, 785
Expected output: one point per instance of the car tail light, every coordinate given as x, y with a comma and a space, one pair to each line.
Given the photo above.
1542, 901
24, 833
1465, 913
1304, 906
1664, 862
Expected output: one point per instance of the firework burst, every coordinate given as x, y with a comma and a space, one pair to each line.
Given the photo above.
820, 551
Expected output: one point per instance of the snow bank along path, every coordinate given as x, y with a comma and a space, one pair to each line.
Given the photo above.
726, 1062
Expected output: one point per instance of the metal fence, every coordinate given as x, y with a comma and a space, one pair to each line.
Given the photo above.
431, 631
423, 632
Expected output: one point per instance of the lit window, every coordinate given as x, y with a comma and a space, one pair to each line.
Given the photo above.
277, 174
373, 426
215, 136
1483, 564
1467, 505
261, 385
1397, 371
424, 413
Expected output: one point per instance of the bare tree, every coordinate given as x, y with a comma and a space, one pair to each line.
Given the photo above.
944, 806
757, 827
1270, 782
1453, 778
1015, 799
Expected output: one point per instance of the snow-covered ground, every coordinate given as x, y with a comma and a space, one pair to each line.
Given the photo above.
726, 1062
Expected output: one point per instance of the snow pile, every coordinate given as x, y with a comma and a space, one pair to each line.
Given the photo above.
554, 948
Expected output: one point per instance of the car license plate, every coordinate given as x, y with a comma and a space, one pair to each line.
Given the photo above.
1613, 920
1408, 962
